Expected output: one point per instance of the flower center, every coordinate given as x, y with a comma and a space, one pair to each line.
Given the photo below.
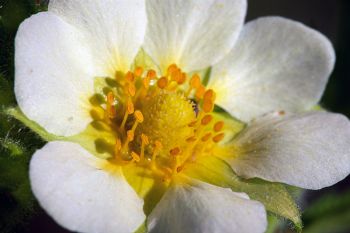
161, 122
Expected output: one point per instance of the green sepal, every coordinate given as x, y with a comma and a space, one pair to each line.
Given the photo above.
274, 196
145, 61
273, 223
18, 114
94, 139
142, 228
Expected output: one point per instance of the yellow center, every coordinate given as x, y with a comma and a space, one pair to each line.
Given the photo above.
160, 123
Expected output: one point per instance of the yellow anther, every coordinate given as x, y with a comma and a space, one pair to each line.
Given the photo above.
151, 74
129, 110
162, 82
208, 106
195, 81
182, 79
144, 139
131, 89
179, 169
200, 91
209, 95
191, 139
110, 107
130, 135
138, 71
218, 138
172, 68
144, 142
135, 156
110, 97
146, 82
129, 138
157, 147
176, 75
206, 137
117, 146
218, 126
129, 76
138, 116
129, 107
192, 124
175, 151
206, 119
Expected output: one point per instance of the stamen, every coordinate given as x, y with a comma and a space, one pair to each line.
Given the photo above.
200, 92
195, 81
175, 151
135, 156
172, 68
191, 139
144, 142
111, 112
162, 82
146, 81
130, 77
129, 138
192, 124
206, 119
218, 137
130, 135
176, 75
138, 71
209, 95
206, 137
208, 106
129, 110
182, 79
139, 116
157, 147
117, 147
131, 89
151, 74
139, 119
218, 126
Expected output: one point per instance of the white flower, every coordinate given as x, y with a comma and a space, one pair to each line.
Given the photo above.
144, 134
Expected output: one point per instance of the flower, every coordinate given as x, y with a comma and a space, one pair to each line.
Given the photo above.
137, 132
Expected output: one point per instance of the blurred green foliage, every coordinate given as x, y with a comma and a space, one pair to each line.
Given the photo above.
17, 143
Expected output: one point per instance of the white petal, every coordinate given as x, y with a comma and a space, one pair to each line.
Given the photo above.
204, 208
276, 64
80, 196
310, 150
194, 34
114, 29
53, 79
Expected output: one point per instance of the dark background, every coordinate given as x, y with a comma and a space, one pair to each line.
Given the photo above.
326, 210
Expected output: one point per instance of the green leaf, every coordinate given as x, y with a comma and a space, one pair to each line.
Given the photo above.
274, 196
